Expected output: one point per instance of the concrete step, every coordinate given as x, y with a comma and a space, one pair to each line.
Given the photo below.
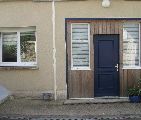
96, 101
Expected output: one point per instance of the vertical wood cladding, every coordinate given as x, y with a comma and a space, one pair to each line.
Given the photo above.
81, 82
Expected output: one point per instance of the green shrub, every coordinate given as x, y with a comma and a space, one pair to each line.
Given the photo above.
136, 90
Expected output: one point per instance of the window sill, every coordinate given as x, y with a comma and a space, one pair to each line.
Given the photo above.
19, 68
80, 68
131, 68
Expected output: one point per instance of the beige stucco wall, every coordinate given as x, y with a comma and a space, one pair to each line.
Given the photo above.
18, 14
39, 14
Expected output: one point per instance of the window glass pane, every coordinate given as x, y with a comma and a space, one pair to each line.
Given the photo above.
80, 45
27, 43
131, 44
9, 47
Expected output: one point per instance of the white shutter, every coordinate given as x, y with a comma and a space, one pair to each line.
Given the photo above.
131, 45
80, 45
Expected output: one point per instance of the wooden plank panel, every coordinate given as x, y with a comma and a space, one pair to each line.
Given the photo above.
112, 27
125, 77
91, 84
75, 80
81, 83
108, 28
96, 27
116, 28
92, 31
121, 82
100, 28
84, 77
121, 72
68, 45
88, 84
104, 27
133, 76
91, 76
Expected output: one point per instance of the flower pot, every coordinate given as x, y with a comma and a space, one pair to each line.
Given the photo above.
135, 99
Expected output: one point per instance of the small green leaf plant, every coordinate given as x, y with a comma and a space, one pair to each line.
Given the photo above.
136, 90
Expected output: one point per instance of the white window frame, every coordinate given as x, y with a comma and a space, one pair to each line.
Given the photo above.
80, 68
18, 63
135, 67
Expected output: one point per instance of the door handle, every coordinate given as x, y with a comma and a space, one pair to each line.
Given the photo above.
117, 67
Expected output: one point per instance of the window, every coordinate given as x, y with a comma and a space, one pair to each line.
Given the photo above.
80, 38
131, 45
18, 46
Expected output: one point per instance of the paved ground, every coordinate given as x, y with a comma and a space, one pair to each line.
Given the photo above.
25, 109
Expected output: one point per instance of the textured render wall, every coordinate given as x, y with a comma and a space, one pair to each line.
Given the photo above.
18, 14
86, 9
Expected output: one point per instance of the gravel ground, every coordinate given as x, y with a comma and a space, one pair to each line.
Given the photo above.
27, 107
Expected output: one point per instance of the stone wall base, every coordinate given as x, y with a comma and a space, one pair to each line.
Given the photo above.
45, 95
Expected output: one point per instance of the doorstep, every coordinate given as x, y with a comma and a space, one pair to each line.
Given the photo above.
101, 100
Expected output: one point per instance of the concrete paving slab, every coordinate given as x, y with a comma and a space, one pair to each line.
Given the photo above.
96, 101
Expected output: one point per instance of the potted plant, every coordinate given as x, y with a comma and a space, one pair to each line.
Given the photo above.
135, 93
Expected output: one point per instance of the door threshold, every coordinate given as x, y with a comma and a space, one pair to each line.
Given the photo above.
103, 97
108, 97
81, 98
96, 100
111, 97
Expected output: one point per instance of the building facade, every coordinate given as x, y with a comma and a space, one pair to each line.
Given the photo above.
72, 49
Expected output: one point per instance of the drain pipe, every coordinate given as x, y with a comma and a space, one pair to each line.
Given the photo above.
54, 49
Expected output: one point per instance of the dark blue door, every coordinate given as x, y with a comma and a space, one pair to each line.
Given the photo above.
106, 60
